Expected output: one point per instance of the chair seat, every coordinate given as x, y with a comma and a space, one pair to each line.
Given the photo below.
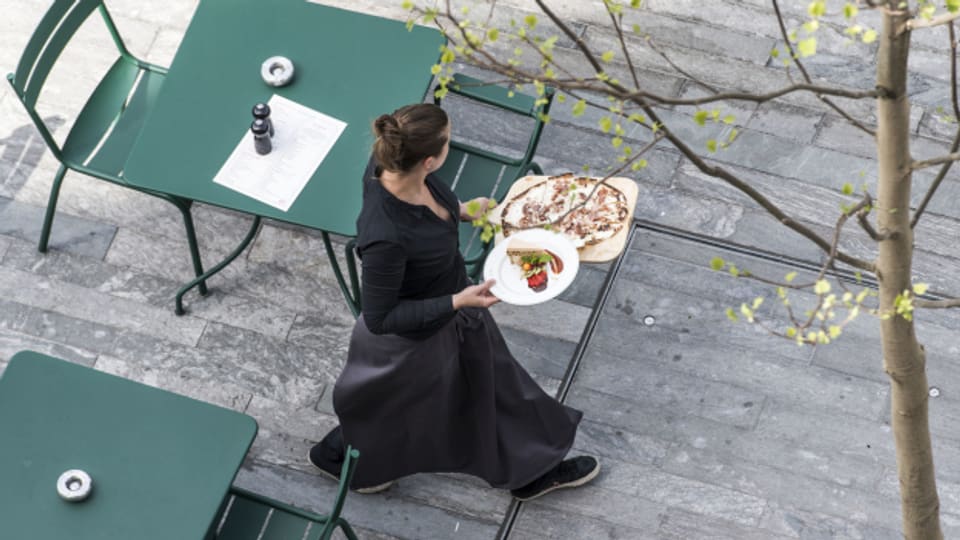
110, 121
247, 517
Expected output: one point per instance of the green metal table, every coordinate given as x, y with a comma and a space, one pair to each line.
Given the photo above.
160, 463
349, 65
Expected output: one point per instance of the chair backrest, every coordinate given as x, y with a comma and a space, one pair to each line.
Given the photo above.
53, 33
251, 516
504, 98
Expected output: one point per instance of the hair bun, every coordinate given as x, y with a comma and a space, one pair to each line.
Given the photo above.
386, 126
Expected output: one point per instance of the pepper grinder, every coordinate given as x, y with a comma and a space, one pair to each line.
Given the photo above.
262, 111
261, 136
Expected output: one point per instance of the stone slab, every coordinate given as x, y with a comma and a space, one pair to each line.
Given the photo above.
72, 234
82, 303
386, 514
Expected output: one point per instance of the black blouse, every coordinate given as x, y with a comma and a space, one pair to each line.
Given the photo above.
410, 259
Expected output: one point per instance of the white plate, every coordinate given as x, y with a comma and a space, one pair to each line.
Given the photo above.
511, 287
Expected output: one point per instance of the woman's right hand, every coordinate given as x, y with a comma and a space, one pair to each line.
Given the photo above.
475, 296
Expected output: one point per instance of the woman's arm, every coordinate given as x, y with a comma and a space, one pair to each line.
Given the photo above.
383, 266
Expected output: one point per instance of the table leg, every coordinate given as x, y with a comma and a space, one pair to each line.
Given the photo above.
220, 266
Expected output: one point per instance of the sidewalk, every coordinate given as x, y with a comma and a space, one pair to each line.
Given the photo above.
706, 429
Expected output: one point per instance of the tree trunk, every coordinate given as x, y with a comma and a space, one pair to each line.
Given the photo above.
903, 356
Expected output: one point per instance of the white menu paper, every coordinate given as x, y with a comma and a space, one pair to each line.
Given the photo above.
303, 137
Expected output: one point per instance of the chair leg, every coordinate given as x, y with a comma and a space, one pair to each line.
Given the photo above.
535, 167
51, 209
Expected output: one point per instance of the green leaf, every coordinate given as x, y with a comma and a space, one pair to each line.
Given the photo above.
616, 142
716, 263
869, 36
791, 332
435, 69
700, 117
605, 124
811, 26
817, 8
731, 314
757, 302
850, 10
638, 118
407, 5
712, 145
807, 47
775, 53
493, 34
636, 29
530, 20
473, 208
822, 286
953, 5
448, 56
635, 3
834, 331
790, 277
920, 288
579, 107
847, 189
729, 119
607, 56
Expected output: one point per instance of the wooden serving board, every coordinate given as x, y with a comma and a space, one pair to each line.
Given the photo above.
597, 253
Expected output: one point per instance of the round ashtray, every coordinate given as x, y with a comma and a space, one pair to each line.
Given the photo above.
277, 71
74, 485
649, 320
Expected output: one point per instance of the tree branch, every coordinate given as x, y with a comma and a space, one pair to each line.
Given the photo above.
936, 304
939, 160
760, 98
623, 46
939, 20
928, 196
806, 76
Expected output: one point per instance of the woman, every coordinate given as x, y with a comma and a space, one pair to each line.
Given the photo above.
429, 384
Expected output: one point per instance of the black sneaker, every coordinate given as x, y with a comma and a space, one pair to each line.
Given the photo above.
569, 473
328, 455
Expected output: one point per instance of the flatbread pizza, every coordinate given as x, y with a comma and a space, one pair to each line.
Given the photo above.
589, 213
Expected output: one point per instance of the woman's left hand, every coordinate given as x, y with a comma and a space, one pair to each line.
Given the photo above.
483, 204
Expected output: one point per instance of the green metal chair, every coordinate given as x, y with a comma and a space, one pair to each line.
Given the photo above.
254, 517
472, 172
108, 124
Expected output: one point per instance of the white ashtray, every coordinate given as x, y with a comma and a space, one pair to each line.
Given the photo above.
277, 71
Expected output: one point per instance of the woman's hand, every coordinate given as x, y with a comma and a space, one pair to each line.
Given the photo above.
480, 206
476, 296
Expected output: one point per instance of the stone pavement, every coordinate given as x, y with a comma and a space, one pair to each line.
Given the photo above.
706, 429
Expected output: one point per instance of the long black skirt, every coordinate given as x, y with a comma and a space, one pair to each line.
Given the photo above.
457, 401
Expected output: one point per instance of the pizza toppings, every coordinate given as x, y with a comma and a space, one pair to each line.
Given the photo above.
585, 211
534, 262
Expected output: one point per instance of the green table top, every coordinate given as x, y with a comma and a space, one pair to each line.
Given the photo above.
348, 65
161, 463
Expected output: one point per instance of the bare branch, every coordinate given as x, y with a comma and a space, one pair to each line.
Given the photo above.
623, 46
928, 196
678, 69
939, 160
936, 304
806, 76
939, 20
760, 98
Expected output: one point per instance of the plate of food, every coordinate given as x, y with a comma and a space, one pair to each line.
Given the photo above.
531, 267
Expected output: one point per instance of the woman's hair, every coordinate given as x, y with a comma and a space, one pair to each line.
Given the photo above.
408, 136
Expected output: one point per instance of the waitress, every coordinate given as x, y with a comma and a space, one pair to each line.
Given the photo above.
429, 384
